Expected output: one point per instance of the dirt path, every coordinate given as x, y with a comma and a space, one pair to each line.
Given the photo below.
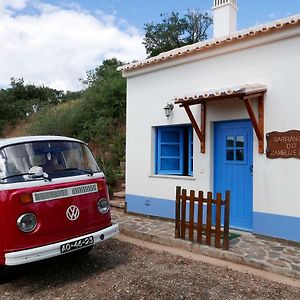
213, 261
119, 270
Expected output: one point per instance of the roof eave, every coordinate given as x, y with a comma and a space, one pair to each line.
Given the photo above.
240, 40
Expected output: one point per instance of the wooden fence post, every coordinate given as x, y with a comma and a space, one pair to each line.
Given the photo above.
192, 203
200, 217
218, 221
226, 221
177, 212
208, 218
183, 214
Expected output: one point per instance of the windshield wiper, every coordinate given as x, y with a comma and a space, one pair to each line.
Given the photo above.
29, 174
75, 169
15, 175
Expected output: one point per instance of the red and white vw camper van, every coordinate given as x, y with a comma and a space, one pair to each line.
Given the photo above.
53, 199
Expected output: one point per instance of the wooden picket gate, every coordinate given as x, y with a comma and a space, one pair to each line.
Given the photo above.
209, 229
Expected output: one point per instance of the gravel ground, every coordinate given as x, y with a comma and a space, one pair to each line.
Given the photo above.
117, 270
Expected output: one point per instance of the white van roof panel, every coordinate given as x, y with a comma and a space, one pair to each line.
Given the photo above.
28, 139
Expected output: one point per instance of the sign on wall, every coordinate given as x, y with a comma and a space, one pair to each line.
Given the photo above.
283, 144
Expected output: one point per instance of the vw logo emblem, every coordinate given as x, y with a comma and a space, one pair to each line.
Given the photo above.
72, 213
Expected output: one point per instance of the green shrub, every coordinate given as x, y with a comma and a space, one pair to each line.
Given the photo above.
98, 117
57, 121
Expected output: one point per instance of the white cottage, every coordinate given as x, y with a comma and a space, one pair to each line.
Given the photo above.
232, 102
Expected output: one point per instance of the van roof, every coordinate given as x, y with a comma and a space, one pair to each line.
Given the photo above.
24, 139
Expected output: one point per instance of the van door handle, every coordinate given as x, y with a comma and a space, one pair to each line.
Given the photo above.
251, 169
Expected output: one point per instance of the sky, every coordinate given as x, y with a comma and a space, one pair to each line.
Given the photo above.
55, 42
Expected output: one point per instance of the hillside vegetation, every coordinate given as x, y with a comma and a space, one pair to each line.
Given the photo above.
96, 115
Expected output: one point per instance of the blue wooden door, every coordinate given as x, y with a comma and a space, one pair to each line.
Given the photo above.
233, 168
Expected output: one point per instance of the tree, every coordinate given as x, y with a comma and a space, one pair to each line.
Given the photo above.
175, 31
106, 92
25, 99
21, 100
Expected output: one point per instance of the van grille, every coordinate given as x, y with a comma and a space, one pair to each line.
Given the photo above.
64, 193
55, 194
84, 189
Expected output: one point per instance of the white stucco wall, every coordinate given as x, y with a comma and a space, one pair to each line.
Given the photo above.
277, 64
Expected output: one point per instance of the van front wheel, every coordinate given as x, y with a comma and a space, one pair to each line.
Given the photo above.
2, 274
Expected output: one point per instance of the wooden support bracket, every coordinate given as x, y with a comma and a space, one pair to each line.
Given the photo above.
257, 122
199, 131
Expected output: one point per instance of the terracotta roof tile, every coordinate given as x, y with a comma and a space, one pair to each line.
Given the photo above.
202, 46
222, 91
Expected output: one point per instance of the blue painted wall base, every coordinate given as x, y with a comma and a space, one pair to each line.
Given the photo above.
151, 206
278, 226
156, 207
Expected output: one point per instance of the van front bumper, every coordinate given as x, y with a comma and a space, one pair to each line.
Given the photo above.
44, 252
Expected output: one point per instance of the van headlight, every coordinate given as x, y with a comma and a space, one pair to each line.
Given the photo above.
27, 222
103, 206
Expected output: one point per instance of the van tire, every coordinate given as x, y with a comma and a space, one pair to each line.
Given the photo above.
2, 274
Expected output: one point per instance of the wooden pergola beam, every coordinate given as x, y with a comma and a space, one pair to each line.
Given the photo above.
199, 131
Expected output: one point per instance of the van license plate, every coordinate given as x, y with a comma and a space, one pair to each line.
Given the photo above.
77, 244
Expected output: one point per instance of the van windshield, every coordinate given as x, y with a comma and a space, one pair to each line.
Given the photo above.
57, 158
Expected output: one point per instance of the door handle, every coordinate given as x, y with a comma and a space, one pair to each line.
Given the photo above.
251, 169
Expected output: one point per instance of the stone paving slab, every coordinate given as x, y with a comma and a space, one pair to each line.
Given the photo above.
270, 255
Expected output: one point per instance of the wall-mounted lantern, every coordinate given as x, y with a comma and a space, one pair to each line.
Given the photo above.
168, 109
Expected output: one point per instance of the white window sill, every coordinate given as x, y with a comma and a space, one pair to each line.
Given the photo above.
173, 177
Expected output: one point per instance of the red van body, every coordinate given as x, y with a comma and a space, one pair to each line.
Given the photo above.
46, 214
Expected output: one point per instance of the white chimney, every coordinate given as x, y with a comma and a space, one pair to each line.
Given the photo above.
225, 17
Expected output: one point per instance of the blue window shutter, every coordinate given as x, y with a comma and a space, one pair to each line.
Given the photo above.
156, 150
190, 152
170, 148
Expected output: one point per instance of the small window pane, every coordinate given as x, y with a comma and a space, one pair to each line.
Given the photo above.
170, 150
229, 155
170, 136
170, 164
240, 141
230, 141
240, 155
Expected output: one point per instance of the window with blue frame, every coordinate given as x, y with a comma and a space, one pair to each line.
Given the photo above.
174, 150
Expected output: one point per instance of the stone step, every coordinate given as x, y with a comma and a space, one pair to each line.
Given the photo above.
118, 200
119, 195
118, 203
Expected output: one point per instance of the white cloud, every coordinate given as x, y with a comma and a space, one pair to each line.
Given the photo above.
273, 15
278, 15
56, 46
13, 4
